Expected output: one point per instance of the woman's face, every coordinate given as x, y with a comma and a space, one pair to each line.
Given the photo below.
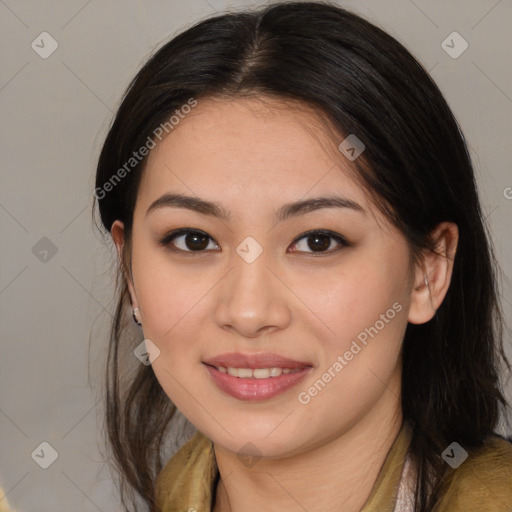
252, 283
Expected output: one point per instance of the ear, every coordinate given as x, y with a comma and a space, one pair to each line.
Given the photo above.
117, 232
437, 268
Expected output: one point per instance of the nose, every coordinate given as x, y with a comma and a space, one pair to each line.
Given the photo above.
251, 299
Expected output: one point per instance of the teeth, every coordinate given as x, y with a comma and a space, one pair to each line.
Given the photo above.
261, 373
233, 371
257, 373
275, 372
244, 372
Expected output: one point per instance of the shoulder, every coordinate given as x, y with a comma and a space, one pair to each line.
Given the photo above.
197, 449
187, 475
483, 481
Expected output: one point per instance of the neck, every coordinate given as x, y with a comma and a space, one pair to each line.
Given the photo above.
342, 471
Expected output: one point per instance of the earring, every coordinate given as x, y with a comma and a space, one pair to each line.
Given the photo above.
136, 316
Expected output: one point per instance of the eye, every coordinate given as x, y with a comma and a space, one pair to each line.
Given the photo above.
192, 240
320, 240
196, 241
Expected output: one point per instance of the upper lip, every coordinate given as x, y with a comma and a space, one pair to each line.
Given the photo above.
265, 360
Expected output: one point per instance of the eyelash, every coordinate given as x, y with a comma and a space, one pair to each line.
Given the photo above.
169, 237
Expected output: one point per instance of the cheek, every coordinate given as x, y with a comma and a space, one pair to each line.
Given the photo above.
366, 317
355, 298
172, 305
168, 297
365, 310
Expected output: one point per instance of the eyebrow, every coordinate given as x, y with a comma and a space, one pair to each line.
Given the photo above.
284, 212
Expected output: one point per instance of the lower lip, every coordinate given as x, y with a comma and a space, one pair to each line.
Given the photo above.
255, 389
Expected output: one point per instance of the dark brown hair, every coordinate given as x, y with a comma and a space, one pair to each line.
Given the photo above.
416, 163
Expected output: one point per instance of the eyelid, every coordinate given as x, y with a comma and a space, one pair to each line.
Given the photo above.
170, 236
341, 240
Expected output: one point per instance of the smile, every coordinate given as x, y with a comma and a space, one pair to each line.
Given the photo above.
255, 384
257, 373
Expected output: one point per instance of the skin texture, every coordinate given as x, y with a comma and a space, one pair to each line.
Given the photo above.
253, 156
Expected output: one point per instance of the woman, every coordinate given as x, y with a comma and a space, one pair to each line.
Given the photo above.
301, 241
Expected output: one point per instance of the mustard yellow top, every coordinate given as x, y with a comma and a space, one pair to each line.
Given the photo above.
4, 504
482, 483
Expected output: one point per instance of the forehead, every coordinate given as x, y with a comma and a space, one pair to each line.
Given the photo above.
259, 152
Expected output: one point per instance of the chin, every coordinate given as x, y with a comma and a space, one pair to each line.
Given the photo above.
248, 444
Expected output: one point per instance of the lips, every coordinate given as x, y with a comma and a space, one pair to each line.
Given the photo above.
243, 376
264, 360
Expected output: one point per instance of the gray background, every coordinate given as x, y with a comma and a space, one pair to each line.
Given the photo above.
55, 113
